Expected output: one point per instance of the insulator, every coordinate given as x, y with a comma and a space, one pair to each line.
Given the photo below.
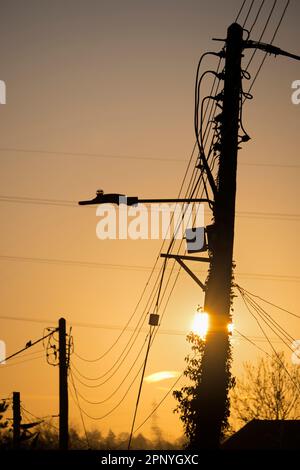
246, 74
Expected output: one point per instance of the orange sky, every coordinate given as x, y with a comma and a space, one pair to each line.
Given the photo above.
116, 79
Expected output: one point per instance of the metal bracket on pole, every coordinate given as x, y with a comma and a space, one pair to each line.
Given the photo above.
186, 268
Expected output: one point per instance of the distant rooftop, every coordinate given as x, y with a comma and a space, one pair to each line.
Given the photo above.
266, 434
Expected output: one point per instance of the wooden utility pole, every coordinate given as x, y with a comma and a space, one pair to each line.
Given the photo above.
16, 420
213, 393
63, 387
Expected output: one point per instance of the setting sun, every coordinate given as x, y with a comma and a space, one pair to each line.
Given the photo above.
201, 324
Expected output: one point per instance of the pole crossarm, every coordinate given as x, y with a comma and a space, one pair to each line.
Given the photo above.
186, 268
186, 258
269, 48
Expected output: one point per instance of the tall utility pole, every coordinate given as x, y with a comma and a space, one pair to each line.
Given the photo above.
16, 419
212, 402
63, 386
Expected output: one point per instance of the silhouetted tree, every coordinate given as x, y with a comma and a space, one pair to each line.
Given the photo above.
3, 408
268, 390
4, 434
188, 396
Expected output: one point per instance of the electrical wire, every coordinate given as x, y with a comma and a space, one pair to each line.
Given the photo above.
41, 419
112, 367
159, 404
114, 408
153, 269
270, 320
178, 160
257, 16
262, 35
274, 326
5, 366
30, 344
80, 411
275, 352
34, 353
240, 12
249, 11
272, 40
247, 275
163, 270
103, 375
96, 325
141, 385
252, 342
269, 303
92, 155
266, 276
98, 418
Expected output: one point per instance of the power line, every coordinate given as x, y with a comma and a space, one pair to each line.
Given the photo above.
98, 418
276, 165
270, 303
80, 411
252, 342
240, 11
141, 385
249, 11
266, 319
160, 284
53, 261
272, 40
105, 327
172, 241
34, 353
257, 16
93, 155
109, 370
274, 351
287, 338
114, 391
73, 204
5, 366
159, 404
261, 36
153, 268
126, 157
30, 344
41, 419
